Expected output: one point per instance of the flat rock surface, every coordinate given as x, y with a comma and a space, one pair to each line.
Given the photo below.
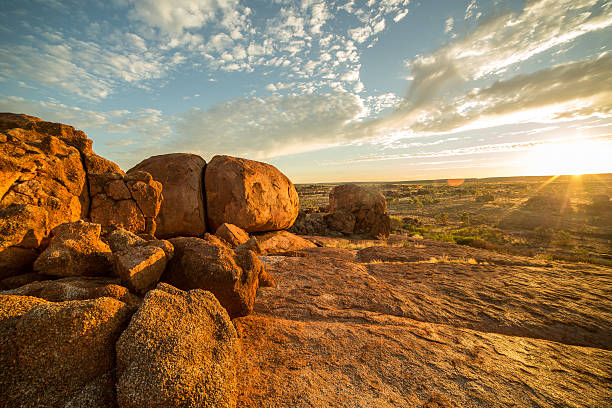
443, 333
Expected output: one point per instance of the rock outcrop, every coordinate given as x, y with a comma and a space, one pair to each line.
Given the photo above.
231, 276
183, 211
141, 266
180, 349
252, 195
75, 250
232, 234
362, 208
55, 353
125, 201
337, 331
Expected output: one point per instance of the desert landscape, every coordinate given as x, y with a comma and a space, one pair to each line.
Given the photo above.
219, 284
306, 204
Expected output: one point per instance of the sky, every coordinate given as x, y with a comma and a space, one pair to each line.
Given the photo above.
327, 91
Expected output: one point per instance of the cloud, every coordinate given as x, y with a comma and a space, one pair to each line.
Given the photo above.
503, 41
262, 128
567, 91
172, 17
448, 25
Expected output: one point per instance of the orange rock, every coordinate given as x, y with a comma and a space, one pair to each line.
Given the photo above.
367, 205
231, 276
183, 211
75, 250
252, 195
232, 234
282, 241
179, 350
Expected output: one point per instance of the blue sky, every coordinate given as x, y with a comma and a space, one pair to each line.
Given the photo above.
326, 91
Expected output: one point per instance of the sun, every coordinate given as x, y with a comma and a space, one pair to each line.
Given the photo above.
576, 157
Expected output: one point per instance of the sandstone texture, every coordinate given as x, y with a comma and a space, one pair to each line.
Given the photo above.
365, 205
183, 211
54, 353
232, 234
75, 250
252, 195
179, 350
231, 276
281, 241
436, 330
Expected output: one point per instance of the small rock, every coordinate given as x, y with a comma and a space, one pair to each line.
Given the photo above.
282, 241
75, 250
140, 267
231, 276
232, 234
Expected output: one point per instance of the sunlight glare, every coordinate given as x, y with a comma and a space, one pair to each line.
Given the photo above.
580, 157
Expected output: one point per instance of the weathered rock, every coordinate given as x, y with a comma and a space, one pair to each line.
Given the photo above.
130, 202
52, 353
20, 280
232, 234
231, 276
183, 211
75, 250
121, 239
251, 245
366, 205
251, 195
443, 333
140, 267
76, 288
180, 349
281, 241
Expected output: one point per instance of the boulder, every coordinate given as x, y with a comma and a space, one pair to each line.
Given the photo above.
252, 195
140, 267
232, 234
252, 245
121, 239
282, 241
75, 250
180, 349
125, 201
20, 280
365, 204
183, 211
55, 353
75, 288
231, 276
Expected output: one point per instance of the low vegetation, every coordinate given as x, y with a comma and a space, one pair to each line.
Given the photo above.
564, 218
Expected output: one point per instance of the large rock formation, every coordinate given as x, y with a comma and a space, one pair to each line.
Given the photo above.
57, 354
179, 350
252, 195
75, 250
231, 276
362, 208
183, 211
44, 169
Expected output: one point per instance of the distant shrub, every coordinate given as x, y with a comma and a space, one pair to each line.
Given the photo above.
563, 238
442, 218
543, 234
465, 219
484, 198
553, 202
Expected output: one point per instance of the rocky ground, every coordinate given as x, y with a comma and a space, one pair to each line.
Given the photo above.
390, 326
